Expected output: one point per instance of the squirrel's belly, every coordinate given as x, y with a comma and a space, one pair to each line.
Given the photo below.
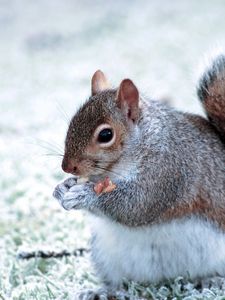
192, 247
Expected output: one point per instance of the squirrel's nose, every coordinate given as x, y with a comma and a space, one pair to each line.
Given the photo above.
69, 166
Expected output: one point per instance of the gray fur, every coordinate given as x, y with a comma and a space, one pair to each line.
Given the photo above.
169, 161
178, 157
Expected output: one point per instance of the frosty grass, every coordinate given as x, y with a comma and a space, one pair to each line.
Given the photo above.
49, 50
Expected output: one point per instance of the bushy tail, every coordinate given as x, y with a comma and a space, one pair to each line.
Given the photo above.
211, 92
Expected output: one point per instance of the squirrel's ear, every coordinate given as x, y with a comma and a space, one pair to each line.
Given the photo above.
128, 99
99, 83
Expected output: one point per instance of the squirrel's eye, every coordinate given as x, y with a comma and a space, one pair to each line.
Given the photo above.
105, 135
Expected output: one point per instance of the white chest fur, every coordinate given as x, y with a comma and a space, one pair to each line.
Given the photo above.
191, 247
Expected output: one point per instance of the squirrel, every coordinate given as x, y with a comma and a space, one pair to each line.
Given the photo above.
165, 215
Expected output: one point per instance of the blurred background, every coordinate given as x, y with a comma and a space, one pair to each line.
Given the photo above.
48, 53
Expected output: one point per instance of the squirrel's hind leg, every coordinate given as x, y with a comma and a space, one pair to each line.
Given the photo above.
211, 92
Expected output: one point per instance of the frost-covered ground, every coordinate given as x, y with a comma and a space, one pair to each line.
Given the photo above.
48, 51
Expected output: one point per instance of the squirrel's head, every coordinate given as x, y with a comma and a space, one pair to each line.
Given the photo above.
100, 129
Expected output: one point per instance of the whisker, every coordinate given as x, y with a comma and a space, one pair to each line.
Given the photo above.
129, 163
119, 175
110, 171
63, 112
49, 146
53, 143
53, 152
121, 161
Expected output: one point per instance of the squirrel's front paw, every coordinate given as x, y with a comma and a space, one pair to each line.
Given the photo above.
62, 188
76, 197
72, 195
